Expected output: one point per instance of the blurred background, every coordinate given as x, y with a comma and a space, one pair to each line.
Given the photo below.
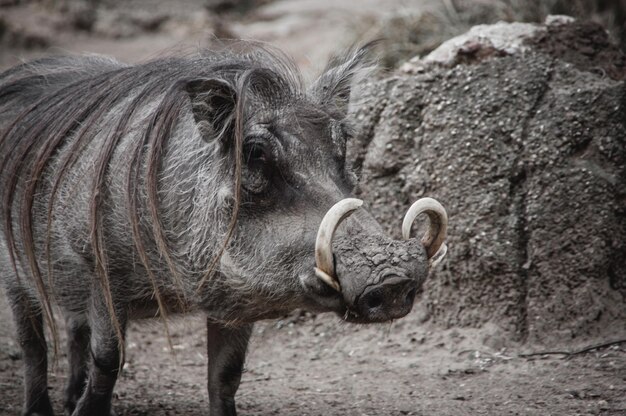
309, 30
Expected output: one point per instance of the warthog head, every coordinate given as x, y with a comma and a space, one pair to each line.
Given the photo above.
296, 188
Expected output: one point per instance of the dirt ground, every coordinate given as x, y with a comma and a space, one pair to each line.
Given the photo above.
317, 365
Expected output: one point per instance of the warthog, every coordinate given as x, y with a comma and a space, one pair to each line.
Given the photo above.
212, 183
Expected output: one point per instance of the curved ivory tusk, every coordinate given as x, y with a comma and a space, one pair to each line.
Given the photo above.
435, 237
325, 269
436, 259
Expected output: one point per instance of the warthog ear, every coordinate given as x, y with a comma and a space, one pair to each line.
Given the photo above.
213, 106
337, 87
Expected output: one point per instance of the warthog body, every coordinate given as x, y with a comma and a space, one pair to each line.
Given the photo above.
184, 184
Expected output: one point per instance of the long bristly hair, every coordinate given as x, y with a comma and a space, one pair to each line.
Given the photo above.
63, 102
54, 108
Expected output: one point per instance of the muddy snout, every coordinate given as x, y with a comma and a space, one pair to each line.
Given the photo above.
391, 299
378, 276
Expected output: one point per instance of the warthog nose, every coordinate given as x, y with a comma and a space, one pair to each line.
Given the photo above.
391, 299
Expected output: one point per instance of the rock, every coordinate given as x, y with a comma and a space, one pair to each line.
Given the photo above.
526, 148
504, 38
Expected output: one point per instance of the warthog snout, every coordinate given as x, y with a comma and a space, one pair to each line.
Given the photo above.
378, 277
391, 299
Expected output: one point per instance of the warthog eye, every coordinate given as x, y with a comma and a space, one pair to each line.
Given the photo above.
254, 152
256, 156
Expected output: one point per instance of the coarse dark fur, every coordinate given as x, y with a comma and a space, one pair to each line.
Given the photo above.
183, 183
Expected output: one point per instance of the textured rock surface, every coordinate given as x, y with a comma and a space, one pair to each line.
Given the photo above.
526, 148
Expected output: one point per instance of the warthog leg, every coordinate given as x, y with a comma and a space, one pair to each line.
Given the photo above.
30, 336
105, 363
226, 348
78, 353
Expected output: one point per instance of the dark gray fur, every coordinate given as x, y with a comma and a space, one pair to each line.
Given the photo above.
193, 183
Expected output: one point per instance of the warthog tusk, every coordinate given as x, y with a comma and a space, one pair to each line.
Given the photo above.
330, 281
325, 269
441, 253
434, 239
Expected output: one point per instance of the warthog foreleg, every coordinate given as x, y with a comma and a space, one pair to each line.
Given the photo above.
226, 348
105, 363
30, 336
78, 355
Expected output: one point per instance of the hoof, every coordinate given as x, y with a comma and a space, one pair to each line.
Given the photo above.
69, 413
39, 413
43, 408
